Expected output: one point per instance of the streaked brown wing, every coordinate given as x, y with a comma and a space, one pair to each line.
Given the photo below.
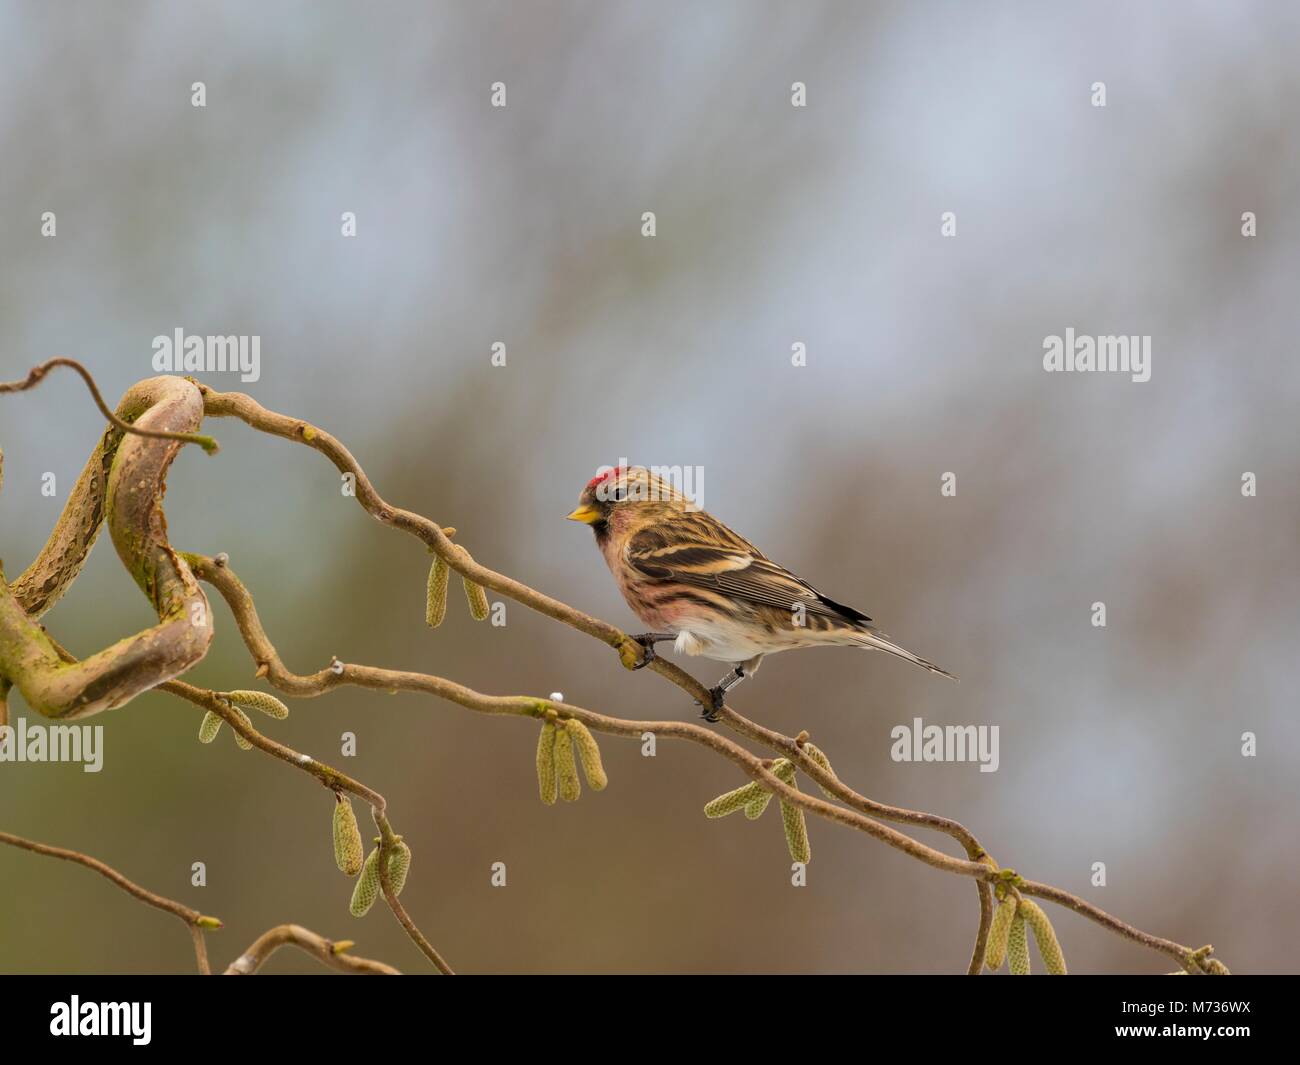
700, 552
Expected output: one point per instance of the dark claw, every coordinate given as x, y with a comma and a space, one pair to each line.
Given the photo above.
648, 653
719, 697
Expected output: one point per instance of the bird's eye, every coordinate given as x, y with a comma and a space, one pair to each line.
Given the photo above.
617, 495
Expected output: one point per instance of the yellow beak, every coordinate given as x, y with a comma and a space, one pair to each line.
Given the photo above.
585, 514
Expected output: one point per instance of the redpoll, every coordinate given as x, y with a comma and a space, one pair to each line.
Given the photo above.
697, 583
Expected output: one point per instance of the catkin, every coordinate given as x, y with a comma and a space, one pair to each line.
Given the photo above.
566, 768
1049, 949
755, 807
784, 770
435, 607
246, 745
796, 825
816, 754
348, 848
588, 754
209, 727
262, 701
546, 763
995, 950
367, 889
732, 801
399, 864
796, 833
1018, 947
478, 604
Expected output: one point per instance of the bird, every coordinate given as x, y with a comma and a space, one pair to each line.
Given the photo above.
708, 589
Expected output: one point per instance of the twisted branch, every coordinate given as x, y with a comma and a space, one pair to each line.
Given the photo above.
123, 482
62, 558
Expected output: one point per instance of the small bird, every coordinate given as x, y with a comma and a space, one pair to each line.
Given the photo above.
712, 592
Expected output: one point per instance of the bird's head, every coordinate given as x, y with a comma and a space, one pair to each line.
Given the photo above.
626, 493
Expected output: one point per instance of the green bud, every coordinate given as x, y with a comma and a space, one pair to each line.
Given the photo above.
589, 753
254, 700
244, 745
1018, 947
348, 848
565, 767
478, 604
367, 889
435, 607
210, 923
546, 763
731, 801
209, 727
1044, 936
995, 949
399, 864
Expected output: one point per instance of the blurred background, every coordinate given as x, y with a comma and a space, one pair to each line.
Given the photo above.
775, 225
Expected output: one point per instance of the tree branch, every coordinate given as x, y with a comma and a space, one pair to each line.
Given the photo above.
330, 952
124, 481
192, 919
980, 865
326, 951
29, 657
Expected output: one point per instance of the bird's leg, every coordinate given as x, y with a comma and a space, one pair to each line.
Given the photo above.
647, 640
718, 693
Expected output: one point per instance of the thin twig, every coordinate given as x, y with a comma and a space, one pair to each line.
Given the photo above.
334, 779
200, 950
330, 777
192, 919
330, 952
390, 896
176, 909
37, 374
982, 934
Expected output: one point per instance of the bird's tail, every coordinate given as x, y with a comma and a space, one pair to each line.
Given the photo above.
878, 641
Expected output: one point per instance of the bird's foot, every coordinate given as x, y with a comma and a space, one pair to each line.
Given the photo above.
717, 699
648, 652
646, 641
